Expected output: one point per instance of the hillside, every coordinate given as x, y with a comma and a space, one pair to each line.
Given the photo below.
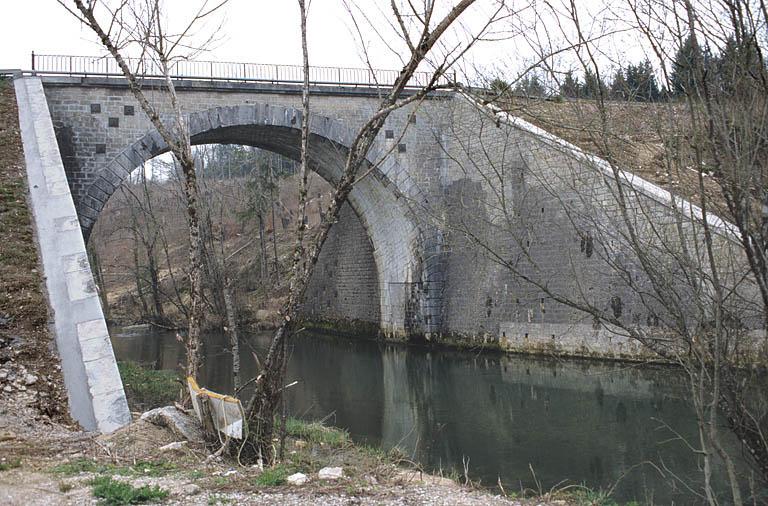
632, 134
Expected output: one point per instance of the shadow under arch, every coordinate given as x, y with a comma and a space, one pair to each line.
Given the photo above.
384, 213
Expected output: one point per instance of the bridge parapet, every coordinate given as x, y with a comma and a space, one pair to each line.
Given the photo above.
104, 66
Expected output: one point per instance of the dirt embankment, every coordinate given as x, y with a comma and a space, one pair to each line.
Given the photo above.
651, 140
31, 386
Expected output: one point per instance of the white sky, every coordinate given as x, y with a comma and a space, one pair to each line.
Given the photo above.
267, 31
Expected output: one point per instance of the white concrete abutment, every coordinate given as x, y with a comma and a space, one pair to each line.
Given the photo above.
96, 397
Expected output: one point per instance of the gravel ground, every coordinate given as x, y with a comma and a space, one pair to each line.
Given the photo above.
18, 487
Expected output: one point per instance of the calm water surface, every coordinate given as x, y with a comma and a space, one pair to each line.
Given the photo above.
567, 421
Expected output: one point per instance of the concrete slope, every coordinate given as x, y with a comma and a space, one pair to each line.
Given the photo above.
96, 396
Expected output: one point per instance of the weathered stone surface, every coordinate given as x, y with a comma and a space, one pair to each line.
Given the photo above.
94, 388
181, 424
297, 479
331, 473
271, 122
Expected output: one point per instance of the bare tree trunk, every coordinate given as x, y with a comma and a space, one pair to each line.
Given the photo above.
274, 223
97, 271
153, 39
264, 263
193, 343
137, 275
154, 286
232, 330
263, 405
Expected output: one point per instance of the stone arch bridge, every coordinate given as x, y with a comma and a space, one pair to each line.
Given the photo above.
459, 188
379, 271
398, 261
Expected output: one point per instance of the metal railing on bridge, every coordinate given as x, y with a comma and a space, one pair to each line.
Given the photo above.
104, 66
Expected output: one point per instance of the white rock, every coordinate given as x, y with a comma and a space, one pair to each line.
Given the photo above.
8, 388
297, 479
176, 445
190, 489
181, 424
331, 473
3, 375
30, 379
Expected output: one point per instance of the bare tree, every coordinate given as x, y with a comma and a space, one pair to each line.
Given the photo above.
655, 268
421, 33
140, 25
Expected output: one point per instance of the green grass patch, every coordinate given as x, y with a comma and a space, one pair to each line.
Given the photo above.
148, 388
588, 497
10, 464
273, 476
113, 492
140, 468
316, 432
147, 468
196, 474
78, 466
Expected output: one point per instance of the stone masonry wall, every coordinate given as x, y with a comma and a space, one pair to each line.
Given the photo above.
344, 287
520, 205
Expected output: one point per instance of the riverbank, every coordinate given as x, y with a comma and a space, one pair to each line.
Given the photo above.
147, 463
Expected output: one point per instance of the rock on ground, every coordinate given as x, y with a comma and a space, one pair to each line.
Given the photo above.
181, 424
331, 473
297, 479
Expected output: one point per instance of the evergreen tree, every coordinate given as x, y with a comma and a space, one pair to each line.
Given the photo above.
499, 86
530, 86
682, 77
570, 86
739, 64
592, 87
641, 82
619, 89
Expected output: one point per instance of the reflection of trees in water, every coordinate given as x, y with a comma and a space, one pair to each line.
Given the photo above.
579, 420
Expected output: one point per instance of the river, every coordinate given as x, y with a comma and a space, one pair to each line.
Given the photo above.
530, 423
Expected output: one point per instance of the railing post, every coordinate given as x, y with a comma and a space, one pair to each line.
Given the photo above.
277, 73
33, 61
70, 66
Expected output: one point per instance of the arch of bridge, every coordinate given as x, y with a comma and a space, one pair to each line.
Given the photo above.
386, 216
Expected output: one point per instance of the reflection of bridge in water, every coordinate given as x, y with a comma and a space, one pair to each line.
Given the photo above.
585, 421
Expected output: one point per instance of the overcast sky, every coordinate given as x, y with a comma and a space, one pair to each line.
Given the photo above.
263, 31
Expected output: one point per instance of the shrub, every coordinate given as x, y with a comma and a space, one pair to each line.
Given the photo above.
148, 388
273, 476
10, 464
113, 492
316, 432
79, 466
